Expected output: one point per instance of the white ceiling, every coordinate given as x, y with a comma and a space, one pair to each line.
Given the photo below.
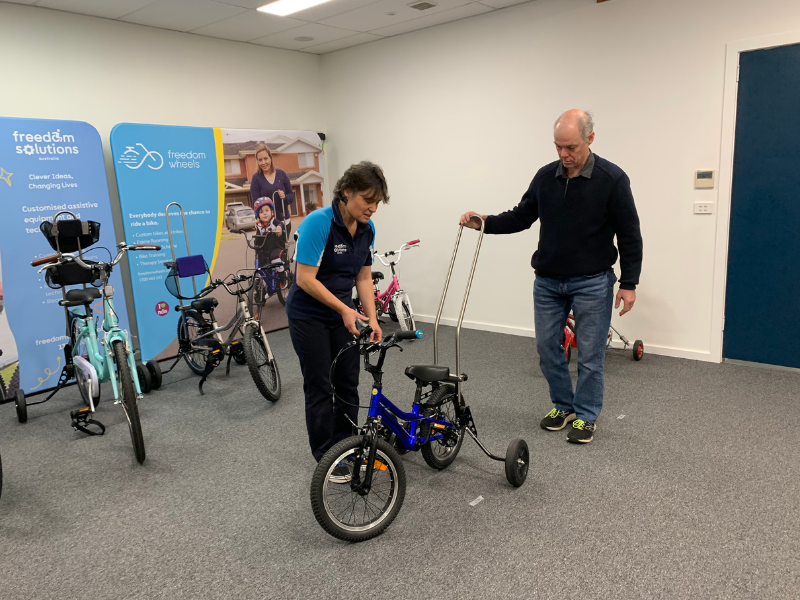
335, 25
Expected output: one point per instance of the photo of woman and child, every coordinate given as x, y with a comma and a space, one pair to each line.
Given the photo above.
273, 179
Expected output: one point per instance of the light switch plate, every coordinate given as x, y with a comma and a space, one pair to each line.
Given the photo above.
704, 208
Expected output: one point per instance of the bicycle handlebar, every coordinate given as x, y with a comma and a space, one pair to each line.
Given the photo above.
398, 252
53, 258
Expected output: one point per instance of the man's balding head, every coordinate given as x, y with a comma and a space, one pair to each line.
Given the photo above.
573, 132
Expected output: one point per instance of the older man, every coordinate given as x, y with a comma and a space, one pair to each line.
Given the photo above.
582, 202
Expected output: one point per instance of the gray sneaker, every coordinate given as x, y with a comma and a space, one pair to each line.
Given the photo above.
340, 474
556, 419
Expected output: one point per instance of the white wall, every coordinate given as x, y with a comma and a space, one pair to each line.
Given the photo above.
58, 65
460, 117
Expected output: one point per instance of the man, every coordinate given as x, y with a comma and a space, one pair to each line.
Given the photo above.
582, 201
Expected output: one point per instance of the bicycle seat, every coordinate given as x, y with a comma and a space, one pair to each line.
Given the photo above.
428, 373
204, 304
376, 276
83, 296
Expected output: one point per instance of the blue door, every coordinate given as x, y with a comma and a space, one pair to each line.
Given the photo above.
762, 302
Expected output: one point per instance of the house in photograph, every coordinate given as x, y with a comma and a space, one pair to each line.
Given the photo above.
297, 156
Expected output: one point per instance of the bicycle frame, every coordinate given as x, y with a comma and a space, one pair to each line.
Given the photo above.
383, 411
103, 363
386, 296
240, 317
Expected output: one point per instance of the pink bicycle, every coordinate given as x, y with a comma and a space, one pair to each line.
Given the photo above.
393, 300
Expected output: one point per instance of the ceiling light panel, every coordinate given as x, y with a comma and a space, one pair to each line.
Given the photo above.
288, 7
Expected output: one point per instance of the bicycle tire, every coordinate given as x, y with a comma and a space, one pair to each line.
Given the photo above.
437, 453
402, 309
333, 502
264, 372
190, 326
127, 393
284, 286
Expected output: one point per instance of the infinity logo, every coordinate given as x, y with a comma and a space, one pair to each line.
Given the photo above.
133, 159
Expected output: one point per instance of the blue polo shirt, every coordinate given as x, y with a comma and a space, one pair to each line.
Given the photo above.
323, 241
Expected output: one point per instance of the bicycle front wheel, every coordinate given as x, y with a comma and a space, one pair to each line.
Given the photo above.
127, 397
402, 308
343, 509
263, 370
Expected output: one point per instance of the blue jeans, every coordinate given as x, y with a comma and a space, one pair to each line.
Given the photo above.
591, 300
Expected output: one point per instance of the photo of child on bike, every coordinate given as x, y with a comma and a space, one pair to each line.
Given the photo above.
272, 248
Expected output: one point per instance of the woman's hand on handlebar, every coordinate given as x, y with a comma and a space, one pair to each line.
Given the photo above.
349, 318
468, 220
377, 334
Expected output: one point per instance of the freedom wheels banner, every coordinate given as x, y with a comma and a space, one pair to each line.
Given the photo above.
219, 178
46, 166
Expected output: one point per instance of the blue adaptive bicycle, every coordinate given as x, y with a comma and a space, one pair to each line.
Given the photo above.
359, 486
89, 360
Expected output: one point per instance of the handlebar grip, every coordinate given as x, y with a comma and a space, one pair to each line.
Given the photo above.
365, 333
43, 261
144, 247
409, 335
412, 242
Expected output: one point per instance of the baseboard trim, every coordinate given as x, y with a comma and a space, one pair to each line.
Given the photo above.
701, 355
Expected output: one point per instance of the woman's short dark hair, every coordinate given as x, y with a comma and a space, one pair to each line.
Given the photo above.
363, 177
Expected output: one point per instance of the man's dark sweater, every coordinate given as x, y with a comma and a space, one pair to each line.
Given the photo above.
579, 219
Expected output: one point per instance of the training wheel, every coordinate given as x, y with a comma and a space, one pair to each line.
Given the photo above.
517, 461
155, 374
21, 406
638, 350
145, 381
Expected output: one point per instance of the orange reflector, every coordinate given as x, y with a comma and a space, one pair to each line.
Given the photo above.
438, 426
380, 466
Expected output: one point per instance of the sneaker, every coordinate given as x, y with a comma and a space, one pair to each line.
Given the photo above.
582, 432
340, 474
556, 419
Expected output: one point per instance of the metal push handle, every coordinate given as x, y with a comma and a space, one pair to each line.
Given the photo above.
172, 246
466, 298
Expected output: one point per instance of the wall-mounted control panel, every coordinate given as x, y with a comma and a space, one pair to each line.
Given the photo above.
704, 179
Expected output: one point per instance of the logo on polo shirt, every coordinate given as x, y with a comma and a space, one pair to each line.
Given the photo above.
340, 248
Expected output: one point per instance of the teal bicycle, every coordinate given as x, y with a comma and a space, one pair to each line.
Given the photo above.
88, 359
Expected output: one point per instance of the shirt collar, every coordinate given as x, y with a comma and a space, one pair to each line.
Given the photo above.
586, 171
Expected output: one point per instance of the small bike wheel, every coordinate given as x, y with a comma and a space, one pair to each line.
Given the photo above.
638, 350
284, 282
145, 380
127, 397
263, 370
237, 350
402, 308
155, 373
441, 404
190, 327
343, 509
21, 406
517, 461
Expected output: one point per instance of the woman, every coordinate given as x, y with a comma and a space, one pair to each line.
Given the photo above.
334, 253
269, 180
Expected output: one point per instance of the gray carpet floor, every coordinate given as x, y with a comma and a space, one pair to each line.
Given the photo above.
690, 490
